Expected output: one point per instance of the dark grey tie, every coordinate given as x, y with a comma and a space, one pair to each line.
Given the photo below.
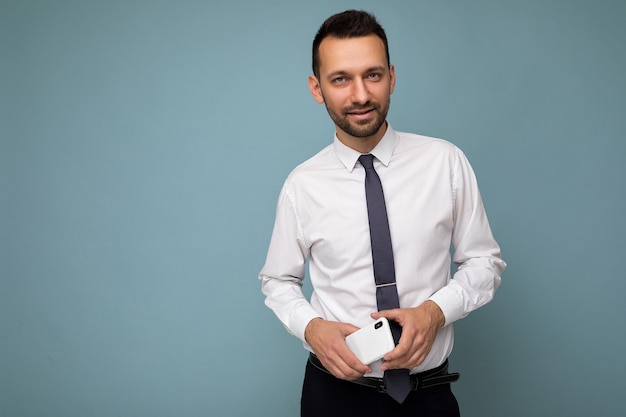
397, 381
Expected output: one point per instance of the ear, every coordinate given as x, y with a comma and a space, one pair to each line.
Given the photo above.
316, 89
392, 78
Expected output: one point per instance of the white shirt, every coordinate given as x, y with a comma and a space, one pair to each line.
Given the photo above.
433, 203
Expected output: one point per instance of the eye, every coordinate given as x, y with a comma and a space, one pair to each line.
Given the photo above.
339, 80
374, 76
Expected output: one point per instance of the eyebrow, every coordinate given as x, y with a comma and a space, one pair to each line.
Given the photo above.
344, 72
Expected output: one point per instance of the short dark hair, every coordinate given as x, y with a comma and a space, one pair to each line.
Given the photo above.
344, 25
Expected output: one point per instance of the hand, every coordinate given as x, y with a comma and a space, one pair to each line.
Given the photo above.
419, 329
327, 338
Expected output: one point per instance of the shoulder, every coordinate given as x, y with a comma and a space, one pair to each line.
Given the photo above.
411, 142
324, 160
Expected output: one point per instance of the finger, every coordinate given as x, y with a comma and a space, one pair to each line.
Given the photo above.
393, 314
343, 364
407, 344
353, 362
410, 350
350, 371
405, 363
356, 369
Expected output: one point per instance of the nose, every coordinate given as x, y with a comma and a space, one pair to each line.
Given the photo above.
360, 94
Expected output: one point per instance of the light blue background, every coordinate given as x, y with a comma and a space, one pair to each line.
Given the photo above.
143, 147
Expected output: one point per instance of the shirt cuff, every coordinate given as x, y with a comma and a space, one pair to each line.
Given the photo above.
450, 303
300, 318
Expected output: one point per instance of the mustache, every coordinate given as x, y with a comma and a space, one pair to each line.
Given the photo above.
361, 107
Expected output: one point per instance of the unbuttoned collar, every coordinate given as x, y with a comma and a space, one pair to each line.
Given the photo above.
382, 151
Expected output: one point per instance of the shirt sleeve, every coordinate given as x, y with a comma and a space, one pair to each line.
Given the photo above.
476, 253
283, 272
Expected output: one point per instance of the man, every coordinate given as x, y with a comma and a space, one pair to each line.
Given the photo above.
432, 203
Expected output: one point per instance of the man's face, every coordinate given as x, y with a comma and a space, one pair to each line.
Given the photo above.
355, 83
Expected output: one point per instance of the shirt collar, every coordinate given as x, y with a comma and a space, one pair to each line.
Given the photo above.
383, 151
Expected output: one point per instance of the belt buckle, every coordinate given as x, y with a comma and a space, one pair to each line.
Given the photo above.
381, 388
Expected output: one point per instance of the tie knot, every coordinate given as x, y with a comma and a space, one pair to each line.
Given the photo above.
367, 161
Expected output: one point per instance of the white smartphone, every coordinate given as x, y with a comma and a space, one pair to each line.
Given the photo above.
371, 342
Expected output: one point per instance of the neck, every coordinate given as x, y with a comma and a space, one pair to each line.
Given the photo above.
363, 145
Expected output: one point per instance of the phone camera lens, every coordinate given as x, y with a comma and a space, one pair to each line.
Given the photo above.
378, 325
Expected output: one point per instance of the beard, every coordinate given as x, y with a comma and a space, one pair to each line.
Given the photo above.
362, 128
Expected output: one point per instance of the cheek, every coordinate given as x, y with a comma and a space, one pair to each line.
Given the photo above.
334, 102
382, 93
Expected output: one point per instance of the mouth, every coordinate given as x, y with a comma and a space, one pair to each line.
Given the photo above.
360, 113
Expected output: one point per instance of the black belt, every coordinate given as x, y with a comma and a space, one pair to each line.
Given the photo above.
427, 379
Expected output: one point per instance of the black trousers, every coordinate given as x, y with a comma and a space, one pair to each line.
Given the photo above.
323, 395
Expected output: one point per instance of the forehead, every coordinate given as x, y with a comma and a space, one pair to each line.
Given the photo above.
351, 54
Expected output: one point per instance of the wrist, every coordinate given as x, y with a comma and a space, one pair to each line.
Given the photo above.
311, 327
435, 312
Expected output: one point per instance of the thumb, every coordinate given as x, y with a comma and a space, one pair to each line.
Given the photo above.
348, 328
388, 314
